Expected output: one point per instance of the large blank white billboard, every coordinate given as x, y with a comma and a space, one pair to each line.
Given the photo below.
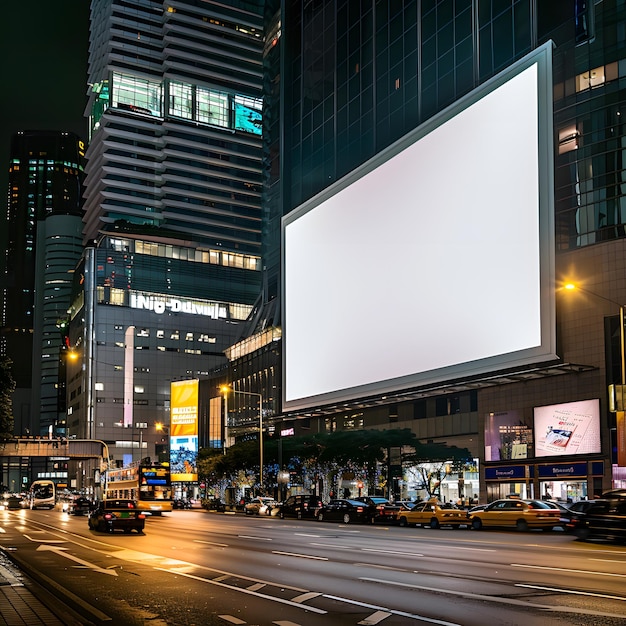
433, 261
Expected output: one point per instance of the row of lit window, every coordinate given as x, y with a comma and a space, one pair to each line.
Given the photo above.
187, 101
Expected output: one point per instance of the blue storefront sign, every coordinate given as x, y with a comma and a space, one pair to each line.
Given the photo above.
510, 472
562, 470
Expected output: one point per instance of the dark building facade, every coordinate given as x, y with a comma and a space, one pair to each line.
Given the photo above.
357, 76
44, 242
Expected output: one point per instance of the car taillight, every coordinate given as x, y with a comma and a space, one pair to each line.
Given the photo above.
141, 516
108, 516
359, 509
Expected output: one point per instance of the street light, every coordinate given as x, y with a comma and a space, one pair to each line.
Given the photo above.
225, 389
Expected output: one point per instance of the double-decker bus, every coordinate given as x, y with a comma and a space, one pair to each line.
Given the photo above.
42, 494
147, 483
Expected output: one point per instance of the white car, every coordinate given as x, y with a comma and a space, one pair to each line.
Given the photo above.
261, 505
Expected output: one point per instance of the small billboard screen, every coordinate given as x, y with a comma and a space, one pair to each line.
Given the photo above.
184, 431
570, 428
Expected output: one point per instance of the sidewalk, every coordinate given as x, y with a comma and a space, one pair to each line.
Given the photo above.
19, 604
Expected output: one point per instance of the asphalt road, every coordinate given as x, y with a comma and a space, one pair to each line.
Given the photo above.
196, 568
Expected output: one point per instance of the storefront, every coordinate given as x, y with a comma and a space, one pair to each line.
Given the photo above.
553, 481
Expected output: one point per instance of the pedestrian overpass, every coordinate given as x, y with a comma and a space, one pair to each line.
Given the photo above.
73, 449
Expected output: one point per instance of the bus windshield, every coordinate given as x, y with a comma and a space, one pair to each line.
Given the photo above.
42, 494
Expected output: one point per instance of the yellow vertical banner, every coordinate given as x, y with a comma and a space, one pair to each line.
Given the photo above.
621, 438
184, 430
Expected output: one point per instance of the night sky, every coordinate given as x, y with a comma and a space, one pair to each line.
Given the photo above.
43, 68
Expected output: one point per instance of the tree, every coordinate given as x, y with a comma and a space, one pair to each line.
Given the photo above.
7, 387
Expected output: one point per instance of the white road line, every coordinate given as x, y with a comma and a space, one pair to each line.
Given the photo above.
398, 613
211, 543
231, 619
564, 569
496, 599
253, 537
391, 552
256, 587
305, 597
302, 556
572, 592
375, 618
209, 581
308, 535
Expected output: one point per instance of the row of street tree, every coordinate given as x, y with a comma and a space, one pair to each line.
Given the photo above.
329, 459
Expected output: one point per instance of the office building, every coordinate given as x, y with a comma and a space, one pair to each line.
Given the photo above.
44, 241
172, 217
357, 77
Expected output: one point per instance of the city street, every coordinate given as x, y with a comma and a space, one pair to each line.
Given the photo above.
195, 567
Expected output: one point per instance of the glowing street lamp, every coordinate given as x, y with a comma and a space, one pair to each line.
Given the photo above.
225, 389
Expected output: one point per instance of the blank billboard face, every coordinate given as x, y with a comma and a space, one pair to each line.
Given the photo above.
432, 262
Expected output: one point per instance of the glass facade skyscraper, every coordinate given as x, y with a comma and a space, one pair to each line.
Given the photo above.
172, 212
357, 76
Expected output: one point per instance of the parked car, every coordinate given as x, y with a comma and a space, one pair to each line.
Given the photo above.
111, 515
406, 505
345, 511
604, 519
434, 514
572, 517
382, 510
181, 503
261, 505
516, 513
213, 504
300, 506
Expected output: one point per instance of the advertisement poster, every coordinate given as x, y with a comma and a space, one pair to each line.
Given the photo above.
572, 428
184, 431
507, 437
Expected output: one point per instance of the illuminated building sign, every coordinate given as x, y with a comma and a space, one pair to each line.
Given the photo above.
160, 304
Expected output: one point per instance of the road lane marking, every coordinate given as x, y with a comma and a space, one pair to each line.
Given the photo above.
398, 613
305, 597
497, 599
390, 552
564, 569
375, 618
301, 556
572, 592
242, 590
254, 537
256, 586
231, 619
92, 566
211, 543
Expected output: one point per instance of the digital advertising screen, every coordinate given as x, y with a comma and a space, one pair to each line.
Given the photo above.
570, 428
507, 437
184, 431
435, 259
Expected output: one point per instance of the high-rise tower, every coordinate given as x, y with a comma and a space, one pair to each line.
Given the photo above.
44, 242
172, 209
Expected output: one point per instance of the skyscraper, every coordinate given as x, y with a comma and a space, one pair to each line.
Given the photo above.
44, 242
172, 209
357, 77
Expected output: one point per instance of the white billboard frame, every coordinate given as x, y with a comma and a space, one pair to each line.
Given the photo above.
312, 350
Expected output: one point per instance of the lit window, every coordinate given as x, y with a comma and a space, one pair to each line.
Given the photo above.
99, 386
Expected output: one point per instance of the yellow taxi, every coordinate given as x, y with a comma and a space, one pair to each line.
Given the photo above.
434, 514
516, 513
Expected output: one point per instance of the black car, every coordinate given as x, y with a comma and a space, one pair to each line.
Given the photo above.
381, 509
572, 517
605, 519
299, 506
80, 506
345, 511
111, 515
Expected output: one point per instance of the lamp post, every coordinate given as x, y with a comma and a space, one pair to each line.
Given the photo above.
225, 389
